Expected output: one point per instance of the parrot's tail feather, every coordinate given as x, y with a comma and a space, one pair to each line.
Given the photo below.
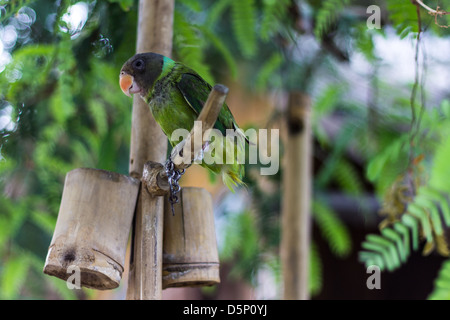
241, 134
231, 180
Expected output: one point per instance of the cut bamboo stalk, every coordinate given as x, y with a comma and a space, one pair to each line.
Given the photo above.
297, 181
148, 142
190, 255
93, 227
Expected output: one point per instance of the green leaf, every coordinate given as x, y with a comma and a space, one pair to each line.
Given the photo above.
397, 239
427, 204
124, 4
44, 220
390, 247
98, 113
13, 277
442, 283
441, 200
403, 16
420, 213
404, 232
380, 249
440, 172
268, 70
390, 154
375, 167
413, 224
370, 258
315, 271
445, 107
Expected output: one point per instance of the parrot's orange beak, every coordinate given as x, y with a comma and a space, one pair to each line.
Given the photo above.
127, 84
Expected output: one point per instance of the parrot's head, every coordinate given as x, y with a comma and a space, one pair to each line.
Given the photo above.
140, 72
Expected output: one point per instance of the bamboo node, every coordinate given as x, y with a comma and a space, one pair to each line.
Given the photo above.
155, 179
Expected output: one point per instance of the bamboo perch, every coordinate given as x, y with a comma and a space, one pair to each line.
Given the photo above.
190, 252
297, 180
154, 176
93, 226
148, 142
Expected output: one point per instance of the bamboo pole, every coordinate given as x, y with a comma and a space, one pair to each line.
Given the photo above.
148, 142
297, 180
154, 34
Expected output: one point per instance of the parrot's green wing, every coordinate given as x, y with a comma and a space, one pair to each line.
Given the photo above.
195, 91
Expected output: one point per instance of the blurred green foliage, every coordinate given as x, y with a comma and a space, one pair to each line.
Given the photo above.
66, 113
60, 92
60, 95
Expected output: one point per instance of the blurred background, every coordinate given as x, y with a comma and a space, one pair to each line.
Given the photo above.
378, 82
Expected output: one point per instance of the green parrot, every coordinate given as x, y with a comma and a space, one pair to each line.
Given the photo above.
176, 94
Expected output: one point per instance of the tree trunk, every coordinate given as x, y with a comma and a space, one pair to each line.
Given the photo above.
297, 180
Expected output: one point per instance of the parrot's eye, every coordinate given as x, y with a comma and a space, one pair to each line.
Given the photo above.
138, 64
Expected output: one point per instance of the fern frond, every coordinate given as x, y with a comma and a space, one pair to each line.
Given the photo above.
364, 42
441, 200
424, 214
14, 274
327, 15
391, 154
332, 229
243, 22
403, 16
222, 48
421, 217
189, 46
241, 242
396, 238
346, 134
442, 283
272, 13
440, 172
268, 70
315, 271
324, 104
346, 175
215, 11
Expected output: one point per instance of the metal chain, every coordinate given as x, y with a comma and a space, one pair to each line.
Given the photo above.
173, 176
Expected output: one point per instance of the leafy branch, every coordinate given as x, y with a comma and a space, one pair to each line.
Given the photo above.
416, 207
436, 13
